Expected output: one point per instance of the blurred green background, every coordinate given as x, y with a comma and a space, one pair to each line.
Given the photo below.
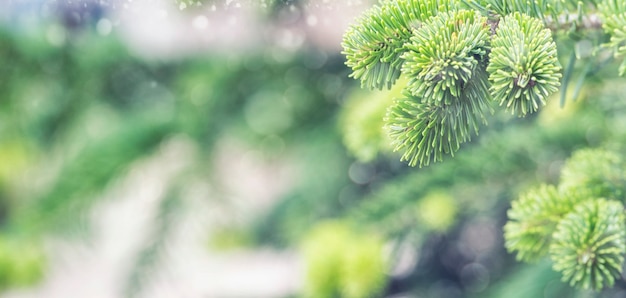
219, 149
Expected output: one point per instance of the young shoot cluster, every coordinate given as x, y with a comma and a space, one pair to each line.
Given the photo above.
580, 223
455, 65
458, 57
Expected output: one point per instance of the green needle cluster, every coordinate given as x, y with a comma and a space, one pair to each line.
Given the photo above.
426, 131
589, 244
445, 54
580, 227
533, 218
374, 44
455, 62
523, 64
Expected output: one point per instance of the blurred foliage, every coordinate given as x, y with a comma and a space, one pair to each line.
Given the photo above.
437, 211
343, 263
72, 124
600, 172
532, 281
22, 262
361, 123
75, 118
229, 238
147, 259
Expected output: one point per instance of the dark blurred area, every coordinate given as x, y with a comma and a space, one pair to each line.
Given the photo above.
220, 149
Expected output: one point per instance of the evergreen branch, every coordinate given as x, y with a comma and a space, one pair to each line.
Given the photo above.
374, 44
425, 131
447, 94
589, 244
444, 55
533, 218
499, 155
584, 234
523, 66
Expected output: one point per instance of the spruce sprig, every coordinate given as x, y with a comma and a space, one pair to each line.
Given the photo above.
589, 244
580, 226
374, 45
447, 95
424, 131
444, 55
455, 63
533, 218
523, 64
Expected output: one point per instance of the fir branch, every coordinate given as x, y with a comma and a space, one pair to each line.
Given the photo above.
583, 233
444, 55
447, 94
589, 244
374, 44
425, 131
533, 218
523, 66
